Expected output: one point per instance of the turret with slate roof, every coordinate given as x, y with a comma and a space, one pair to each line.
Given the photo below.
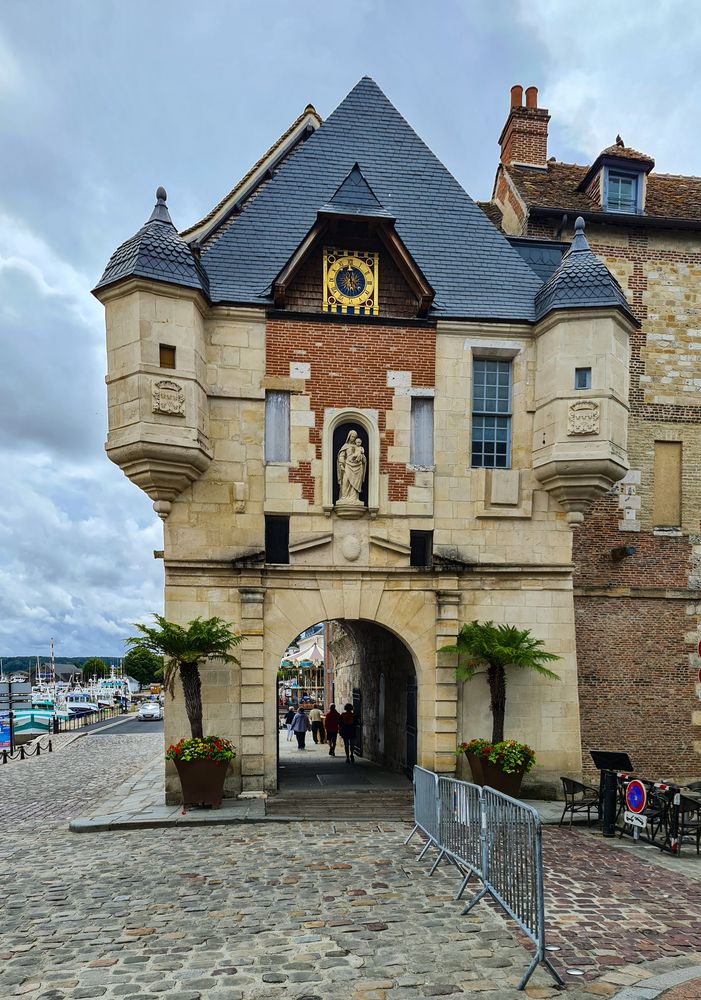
156, 252
581, 280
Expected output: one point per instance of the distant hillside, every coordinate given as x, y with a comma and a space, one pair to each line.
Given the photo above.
10, 663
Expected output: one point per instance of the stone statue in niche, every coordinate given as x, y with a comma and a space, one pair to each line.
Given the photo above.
351, 469
168, 397
583, 418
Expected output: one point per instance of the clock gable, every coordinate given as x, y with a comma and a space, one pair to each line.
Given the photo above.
308, 291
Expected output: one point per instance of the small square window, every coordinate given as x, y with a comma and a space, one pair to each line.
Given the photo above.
166, 356
582, 378
622, 192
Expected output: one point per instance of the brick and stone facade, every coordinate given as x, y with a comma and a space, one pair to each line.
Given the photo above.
242, 303
638, 622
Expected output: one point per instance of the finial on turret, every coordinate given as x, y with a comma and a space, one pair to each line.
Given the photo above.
160, 212
579, 225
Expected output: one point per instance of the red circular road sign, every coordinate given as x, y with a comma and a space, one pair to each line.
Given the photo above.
636, 796
698, 650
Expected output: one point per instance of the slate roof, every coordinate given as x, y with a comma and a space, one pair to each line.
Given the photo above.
157, 252
580, 281
472, 267
667, 196
542, 256
356, 197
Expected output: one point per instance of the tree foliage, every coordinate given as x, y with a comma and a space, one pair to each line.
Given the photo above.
94, 667
143, 665
183, 649
496, 647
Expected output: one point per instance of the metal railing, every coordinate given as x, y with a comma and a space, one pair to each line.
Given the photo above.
79, 721
494, 837
23, 752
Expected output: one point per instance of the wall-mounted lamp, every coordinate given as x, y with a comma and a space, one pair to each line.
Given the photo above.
622, 551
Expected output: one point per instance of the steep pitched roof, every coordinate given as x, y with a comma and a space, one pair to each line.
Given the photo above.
471, 266
259, 172
581, 281
355, 197
667, 196
156, 252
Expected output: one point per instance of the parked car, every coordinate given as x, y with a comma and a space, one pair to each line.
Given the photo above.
149, 711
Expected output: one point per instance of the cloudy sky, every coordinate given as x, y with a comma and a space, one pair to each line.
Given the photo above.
100, 102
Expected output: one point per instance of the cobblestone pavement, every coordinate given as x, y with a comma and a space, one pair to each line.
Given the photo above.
607, 907
59, 785
303, 910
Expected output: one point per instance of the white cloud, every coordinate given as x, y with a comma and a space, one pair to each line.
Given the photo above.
632, 70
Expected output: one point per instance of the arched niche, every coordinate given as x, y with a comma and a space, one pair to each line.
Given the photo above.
337, 423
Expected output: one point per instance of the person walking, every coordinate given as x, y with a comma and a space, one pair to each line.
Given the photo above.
300, 726
288, 722
347, 728
332, 723
317, 720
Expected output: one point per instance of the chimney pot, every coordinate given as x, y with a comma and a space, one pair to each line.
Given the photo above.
516, 96
531, 97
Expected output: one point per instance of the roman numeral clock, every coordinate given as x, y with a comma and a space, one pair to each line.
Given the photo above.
350, 282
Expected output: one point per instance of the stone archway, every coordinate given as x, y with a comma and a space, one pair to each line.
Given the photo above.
374, 669
407, 616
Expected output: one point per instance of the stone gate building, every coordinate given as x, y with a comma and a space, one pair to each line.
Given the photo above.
350, 398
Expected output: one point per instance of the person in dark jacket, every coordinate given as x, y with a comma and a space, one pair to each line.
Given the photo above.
332, 724
300, 727
347, 730
288, 722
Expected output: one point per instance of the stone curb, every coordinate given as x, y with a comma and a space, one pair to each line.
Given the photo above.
649, 989
79, 734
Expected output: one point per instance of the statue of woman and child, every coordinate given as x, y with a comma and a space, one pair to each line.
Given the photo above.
351, 467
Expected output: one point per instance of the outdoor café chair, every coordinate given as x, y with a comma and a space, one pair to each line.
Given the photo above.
689, 820
573, 804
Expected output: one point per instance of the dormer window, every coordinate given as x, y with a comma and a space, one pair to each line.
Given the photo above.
622, 192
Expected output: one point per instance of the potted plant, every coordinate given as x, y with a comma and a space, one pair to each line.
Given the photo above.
496, 647
201, 761
499, 765
201, 765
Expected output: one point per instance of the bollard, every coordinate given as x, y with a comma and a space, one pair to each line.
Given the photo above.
608, 805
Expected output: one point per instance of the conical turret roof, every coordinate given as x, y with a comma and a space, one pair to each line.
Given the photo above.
581, 281
157, 252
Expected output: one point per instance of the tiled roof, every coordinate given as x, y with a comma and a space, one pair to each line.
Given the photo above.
308, 113
471, 266
356, 197
580, 281
667, 196
156, 252
492, 211
542, 256
626, 153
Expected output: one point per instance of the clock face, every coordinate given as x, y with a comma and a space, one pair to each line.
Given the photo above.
351, 281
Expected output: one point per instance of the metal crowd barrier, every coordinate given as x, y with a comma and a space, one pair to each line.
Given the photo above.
494, 837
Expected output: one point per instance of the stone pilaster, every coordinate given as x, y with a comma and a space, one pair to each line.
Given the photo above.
446, 690
252, 690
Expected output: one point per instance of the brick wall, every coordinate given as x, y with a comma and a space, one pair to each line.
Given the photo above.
525, 136
637, 689
349, 362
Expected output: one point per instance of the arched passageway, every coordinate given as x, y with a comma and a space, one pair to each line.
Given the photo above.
374, 671
364, 665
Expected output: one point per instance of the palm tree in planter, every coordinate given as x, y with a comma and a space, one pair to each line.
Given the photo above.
201, 761
496, 647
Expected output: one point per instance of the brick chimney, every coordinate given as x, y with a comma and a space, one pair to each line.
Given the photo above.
524, 138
